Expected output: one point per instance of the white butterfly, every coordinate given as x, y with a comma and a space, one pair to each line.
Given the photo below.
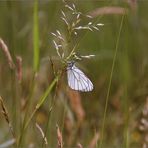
77, 80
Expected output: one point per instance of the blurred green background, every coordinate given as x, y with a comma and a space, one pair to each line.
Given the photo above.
79, 120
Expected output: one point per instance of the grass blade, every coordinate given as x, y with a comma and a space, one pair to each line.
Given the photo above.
109, 85
35, 37
41, 100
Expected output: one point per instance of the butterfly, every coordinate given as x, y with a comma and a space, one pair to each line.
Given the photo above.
77, 80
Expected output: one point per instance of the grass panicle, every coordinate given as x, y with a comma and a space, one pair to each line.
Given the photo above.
6, 51
6, 116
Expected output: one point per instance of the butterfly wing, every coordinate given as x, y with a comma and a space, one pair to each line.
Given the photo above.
77, 80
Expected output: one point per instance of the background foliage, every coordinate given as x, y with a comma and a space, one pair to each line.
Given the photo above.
79, 115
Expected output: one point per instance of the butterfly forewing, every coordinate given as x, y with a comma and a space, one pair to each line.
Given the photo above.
77, 80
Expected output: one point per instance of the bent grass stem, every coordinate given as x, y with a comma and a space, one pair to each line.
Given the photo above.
40, 102
110, 82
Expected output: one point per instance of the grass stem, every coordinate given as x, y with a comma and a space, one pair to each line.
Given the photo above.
109, 85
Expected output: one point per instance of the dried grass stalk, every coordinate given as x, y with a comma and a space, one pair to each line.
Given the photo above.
144, 125
108, 10
133, 4
79, 145
116, 98
93, 142
42, 134
5, 49
5, 113
19, 68
59, 137
69, 125
8, 143
75, 102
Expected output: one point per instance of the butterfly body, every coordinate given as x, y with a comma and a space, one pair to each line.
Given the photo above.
77, 80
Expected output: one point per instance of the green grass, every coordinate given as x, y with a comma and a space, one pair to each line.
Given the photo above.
36, 37
110, 82
118, 71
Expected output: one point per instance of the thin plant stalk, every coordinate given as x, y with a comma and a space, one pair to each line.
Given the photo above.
41, 101
15, 101
47, 126
126, 131
109, 85
50, 110
35, 63
27, 111
35, 37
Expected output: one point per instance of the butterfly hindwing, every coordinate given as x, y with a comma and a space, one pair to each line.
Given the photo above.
77, 80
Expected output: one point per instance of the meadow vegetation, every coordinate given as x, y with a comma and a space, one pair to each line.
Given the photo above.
108, 42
